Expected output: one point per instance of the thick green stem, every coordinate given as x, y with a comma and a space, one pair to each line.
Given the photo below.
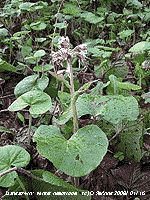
60, 79
73, 100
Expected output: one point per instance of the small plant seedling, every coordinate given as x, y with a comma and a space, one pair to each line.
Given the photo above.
119, 155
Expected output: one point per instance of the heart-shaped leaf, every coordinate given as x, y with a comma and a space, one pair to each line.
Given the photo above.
94, 104
77, 156
25, 85
12, 155
39, 101
29, 83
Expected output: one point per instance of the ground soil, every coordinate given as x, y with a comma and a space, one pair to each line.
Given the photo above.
111, 177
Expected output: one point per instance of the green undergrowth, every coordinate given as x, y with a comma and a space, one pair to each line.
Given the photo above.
58, 93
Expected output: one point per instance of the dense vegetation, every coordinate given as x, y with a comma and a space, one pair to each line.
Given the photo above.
81, 70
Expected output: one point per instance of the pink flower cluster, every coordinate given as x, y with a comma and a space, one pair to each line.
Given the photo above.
66, 53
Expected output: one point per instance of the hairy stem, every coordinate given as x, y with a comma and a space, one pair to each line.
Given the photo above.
73, 100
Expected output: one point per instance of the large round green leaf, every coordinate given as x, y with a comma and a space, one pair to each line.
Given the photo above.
25, 85
39, 101
112, 107
29, 83
15, 156
140, 46
77, 156
121, 108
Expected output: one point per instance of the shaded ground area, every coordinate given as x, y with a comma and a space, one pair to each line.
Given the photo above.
111, 180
